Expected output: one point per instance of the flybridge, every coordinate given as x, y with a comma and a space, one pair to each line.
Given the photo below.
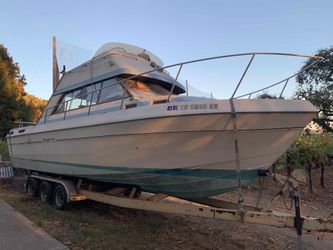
113, 61
110, 48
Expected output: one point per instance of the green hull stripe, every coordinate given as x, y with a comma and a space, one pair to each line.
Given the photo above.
180, 182
196, 172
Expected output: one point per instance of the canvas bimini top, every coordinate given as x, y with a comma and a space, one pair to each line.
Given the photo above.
118, 60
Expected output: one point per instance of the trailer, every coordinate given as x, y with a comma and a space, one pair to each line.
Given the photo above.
60, 192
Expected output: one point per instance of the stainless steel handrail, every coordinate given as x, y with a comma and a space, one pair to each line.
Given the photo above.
20, 123
243, 75
286, 80
252, 54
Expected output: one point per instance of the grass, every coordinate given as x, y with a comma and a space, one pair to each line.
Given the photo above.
89, 225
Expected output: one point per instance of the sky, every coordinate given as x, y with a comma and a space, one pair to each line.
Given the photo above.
175, 31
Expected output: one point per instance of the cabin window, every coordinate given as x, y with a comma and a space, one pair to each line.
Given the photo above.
76, 100
101, 92
64, 104
94, 92
111, 91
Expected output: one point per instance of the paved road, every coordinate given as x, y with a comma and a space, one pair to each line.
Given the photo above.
17, 232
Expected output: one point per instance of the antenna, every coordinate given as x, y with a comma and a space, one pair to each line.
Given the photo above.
55, 69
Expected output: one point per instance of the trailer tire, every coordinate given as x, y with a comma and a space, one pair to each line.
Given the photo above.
32, 187
60, 197
46, 191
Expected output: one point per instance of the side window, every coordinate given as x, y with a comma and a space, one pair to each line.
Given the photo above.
111, 91
67, 101
76, 100
83, 97
64, 104
91, 95
104, 91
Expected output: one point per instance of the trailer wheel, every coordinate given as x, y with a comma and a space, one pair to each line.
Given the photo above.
60, 197
46, 191
32, 187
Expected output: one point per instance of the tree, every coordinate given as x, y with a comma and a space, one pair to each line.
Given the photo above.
266, 95
315, 84
38, 105
13, 104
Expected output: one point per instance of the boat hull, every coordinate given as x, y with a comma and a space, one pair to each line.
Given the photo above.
188, 156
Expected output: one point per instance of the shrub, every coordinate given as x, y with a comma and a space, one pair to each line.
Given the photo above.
309, 152
4, 150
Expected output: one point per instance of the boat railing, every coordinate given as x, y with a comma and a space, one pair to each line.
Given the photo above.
21, 123
180, 67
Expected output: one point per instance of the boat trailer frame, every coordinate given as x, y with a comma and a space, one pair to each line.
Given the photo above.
204, 207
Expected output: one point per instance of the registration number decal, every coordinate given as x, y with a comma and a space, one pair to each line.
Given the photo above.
203, 106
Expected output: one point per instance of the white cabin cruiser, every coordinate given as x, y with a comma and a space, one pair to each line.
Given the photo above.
120, 118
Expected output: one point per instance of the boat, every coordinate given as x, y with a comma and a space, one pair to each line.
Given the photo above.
121, 118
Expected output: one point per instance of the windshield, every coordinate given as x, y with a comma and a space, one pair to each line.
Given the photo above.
143, 89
